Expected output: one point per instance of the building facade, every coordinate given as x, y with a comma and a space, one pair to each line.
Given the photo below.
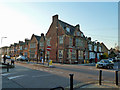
68, 43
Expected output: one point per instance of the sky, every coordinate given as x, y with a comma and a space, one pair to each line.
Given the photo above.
98, 20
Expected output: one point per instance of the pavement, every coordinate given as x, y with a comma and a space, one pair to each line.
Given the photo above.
77, 86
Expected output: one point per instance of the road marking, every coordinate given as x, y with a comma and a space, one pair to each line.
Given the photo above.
13, 77
43, 75
5, 74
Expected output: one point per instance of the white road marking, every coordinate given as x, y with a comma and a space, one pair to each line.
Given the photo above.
13, 77
5, 74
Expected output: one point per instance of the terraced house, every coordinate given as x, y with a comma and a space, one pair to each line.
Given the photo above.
67, 44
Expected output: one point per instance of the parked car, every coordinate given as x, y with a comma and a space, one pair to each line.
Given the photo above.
7, 57
105, 63
22, 58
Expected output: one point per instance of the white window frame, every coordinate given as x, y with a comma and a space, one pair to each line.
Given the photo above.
68, 29
73, 54
78, 33
70, 41
60, 52
41, 43
48, 42
95, 48
77, 41
90, 47
61, 39
32, 45
99, 49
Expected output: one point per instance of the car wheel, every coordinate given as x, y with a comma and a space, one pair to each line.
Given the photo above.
108, 67
111, 67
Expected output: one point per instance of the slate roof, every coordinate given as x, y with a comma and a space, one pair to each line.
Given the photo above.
37, 37
64, 24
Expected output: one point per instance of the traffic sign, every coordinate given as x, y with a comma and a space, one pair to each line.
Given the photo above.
48, 48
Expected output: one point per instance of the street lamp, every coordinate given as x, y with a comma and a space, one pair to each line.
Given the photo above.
1, 48
1, 40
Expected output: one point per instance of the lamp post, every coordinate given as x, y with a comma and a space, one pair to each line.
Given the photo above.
1, 40
1, 47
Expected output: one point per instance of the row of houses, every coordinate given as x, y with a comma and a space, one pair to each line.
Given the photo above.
67, 44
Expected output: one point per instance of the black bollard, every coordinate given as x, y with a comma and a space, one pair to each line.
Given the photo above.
100, 77
8, 67
116, 77
71, 81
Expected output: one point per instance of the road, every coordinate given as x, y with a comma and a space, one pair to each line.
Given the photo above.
34, 76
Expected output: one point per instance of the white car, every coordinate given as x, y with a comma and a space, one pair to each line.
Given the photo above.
22, 58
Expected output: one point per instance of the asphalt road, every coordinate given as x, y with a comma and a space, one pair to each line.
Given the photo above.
22, 77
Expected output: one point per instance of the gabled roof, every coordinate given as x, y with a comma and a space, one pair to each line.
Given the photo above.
37, 37
64, 24
104, 45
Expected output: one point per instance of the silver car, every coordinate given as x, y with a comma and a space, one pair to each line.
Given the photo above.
105, 63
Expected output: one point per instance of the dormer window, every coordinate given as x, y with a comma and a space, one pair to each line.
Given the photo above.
81, 34
68, 29
78, 33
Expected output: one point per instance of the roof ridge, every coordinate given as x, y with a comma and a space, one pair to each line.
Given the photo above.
66, 23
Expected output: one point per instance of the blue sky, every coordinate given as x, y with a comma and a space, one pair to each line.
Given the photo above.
98, 20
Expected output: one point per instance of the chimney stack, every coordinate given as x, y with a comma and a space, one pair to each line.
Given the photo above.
89, 38
77, 26
42, 34
55, 18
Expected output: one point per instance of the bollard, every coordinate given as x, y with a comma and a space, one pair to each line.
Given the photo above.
100, 77
116, 77
8, 67
71, 81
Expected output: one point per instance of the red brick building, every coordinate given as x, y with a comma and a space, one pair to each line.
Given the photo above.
33, 47
64, 38
25, 48
41, 53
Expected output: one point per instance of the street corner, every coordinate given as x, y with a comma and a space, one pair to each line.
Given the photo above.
94, 84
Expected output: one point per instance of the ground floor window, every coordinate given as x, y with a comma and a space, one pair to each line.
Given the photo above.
86, 55
68, 53
73, 54
91, 55
98, 55
32, 55
60, 52
80, 54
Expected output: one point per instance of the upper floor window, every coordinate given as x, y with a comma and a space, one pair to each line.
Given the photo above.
68, 29
20, 47
32, 45
77, 42
90, 47
78, 33
70, 41
73, 54
60, 53
25, 48
41, 43
99, 49
95, 48
48, 42
81, 34
60, 39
